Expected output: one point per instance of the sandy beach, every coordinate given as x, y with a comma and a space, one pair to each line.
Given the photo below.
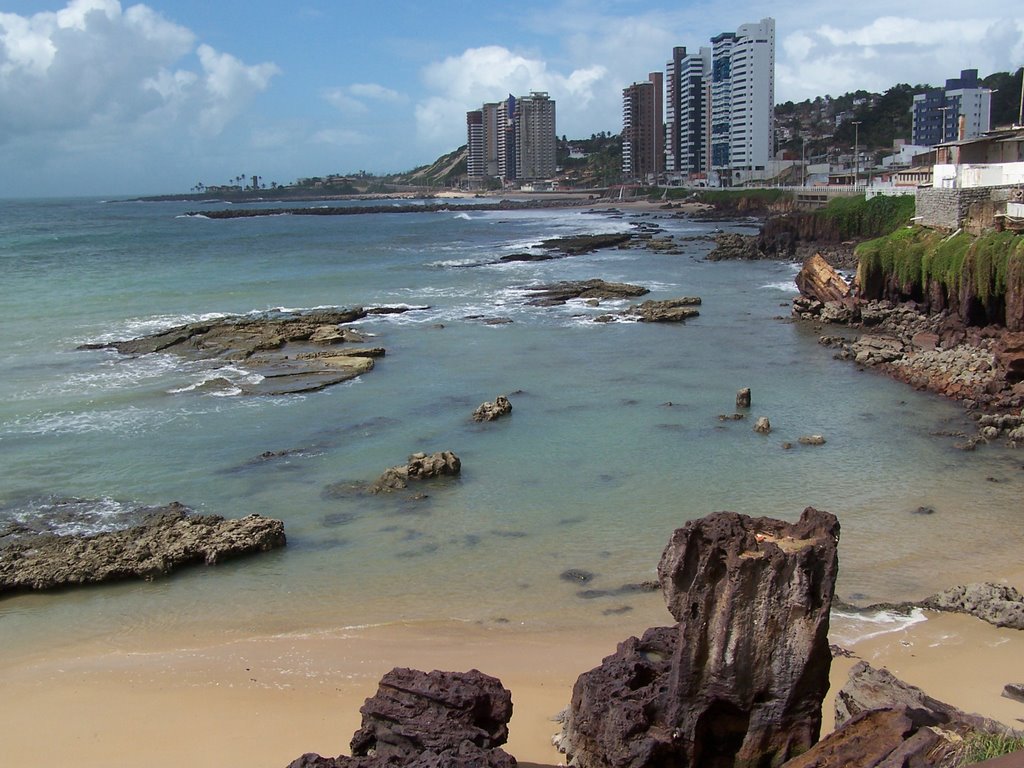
265, 700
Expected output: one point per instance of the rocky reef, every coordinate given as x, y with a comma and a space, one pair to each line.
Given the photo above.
291, 351
740, 678
168, 538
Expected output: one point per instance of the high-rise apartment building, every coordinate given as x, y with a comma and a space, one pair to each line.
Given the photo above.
719, 106
687, 99
476, 162
491, 127
534, 129
507, 138
937, 113
742, 101
643, 146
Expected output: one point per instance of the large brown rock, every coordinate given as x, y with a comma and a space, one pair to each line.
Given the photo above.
429, 720
740, 679
878, 738
169, 538
490, 411
818, 280
420, 466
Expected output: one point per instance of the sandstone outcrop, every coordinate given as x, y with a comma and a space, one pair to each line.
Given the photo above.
819, 281
429, 720
490, 411
168, 538
420, 466
739, 680
291, 351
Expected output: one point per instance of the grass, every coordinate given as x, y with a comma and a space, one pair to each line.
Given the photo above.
857, 217
984, 746
917, 256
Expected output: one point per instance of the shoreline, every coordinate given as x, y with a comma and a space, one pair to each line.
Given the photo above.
276, 697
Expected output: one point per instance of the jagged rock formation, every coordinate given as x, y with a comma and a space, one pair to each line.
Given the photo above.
490, 411
743, 398
998, 604
429, 720
292, 352
170, 537
739, 680
817, 280
420, 466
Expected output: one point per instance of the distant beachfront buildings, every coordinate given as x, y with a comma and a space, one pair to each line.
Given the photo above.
511, 140
961, 110
643, 137
718, 110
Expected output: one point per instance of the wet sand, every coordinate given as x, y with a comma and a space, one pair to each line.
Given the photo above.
264, 701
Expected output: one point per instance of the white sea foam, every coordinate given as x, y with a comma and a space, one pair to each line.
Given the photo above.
144, 326
849, 627
464, 216
72, 517
788, 286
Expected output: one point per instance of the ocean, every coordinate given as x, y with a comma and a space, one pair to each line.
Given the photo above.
613, 442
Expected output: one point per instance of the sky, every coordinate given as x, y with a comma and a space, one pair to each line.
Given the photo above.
100, 97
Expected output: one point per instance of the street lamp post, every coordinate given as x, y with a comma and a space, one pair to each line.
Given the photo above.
803, 160
856, 152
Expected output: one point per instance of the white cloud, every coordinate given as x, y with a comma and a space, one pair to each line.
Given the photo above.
478, 75
94, 66
350, 99
375, 91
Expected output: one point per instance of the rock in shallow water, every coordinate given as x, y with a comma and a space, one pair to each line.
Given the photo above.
170, 537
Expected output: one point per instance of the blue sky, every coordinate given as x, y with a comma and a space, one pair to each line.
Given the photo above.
106, 97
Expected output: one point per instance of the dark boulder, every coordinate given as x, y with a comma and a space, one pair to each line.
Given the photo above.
741, 677
429, 720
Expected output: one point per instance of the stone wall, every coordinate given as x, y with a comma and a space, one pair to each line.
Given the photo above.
948, 208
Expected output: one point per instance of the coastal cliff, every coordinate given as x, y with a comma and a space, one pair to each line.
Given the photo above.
978, 279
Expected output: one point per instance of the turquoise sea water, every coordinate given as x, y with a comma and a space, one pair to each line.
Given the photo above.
614, 440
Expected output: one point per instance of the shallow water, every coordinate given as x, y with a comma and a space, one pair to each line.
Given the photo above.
613, 442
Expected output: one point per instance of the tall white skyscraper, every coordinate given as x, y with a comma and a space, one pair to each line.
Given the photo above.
742, 101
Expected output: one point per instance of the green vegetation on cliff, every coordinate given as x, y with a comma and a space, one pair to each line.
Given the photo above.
856, 217
981, 278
